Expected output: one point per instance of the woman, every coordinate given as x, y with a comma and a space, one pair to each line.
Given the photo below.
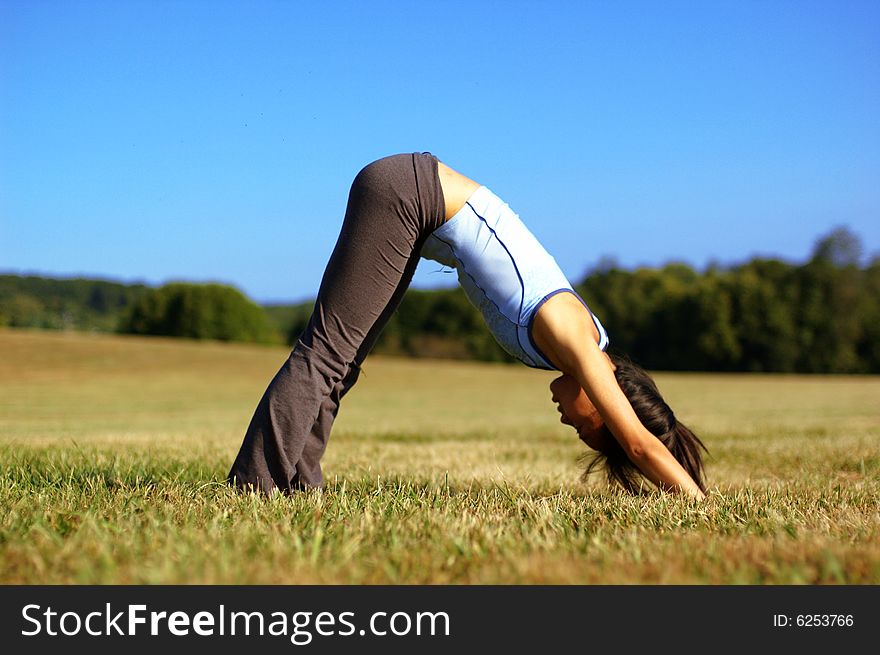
401, 208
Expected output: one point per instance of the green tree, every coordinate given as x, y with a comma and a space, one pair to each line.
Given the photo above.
204, 311
714, 342
25, 310
828, 307
841, 247
764, 294
868, 345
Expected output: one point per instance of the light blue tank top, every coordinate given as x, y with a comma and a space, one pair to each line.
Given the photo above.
505, 272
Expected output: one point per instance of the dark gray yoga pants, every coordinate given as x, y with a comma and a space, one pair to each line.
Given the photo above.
394, 204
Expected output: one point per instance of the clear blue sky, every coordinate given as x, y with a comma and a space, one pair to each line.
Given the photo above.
152, 141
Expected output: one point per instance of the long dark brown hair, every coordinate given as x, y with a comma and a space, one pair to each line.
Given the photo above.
659, 419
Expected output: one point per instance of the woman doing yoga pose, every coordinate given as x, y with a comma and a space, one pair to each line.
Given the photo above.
408, 206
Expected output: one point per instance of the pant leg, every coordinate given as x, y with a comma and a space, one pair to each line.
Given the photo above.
308, 468
394, 204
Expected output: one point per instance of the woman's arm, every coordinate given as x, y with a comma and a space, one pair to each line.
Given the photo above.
564, 330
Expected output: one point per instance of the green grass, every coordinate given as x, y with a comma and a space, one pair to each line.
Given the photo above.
114, 451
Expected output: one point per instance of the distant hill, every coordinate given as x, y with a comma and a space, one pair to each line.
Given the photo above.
822, 316
30, 301
65, 303
430, 324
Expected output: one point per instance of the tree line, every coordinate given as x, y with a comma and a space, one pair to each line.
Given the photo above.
65, 304
821, 316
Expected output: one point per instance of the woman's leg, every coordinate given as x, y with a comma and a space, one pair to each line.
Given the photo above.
456, 189
394, 204
308, 468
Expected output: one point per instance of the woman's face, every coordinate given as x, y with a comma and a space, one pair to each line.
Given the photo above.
578, 412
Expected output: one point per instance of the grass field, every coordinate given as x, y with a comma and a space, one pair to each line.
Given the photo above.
114, 451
